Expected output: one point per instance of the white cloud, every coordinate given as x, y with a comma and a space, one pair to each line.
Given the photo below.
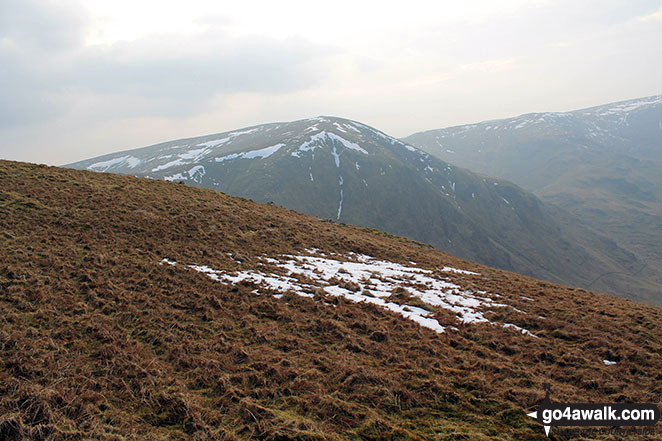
655, 16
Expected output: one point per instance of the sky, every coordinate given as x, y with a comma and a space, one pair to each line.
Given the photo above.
80, 79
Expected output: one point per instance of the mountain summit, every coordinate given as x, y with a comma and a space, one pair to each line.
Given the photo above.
349, 172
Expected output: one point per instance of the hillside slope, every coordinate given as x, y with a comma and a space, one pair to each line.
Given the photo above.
343, 170
141, 309
601, 164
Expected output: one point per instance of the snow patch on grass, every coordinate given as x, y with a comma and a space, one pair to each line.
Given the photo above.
521, 330
410, 291
449, 269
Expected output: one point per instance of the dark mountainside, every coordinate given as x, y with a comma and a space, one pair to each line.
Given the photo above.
343, 170
140, 309
601, 164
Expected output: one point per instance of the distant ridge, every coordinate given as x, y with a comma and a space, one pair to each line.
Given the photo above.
602, 164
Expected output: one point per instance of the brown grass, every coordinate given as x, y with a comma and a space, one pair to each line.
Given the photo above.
100, 341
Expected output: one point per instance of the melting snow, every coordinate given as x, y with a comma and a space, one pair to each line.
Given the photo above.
193, 154
521, 330
449, 269
187, 157
340, 204
175, 177
340, 182
168, 165
336, 156
197, 169
627, 106
317, 139
310, 144
362, 278
339, 127
225, 140
196, 173
348, 144
608, 363
103, 166
261, 153
380, 134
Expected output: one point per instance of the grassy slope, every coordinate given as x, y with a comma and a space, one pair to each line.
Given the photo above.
97, 340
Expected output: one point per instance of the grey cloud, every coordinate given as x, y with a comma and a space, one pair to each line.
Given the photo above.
26, 95
230, 66
521, 34
168, 75
42, 25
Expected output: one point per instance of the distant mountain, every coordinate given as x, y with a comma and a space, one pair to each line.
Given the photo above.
136, 309
602, 164
343, 170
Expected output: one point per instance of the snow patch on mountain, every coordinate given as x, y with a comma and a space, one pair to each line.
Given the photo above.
340, 182
383, 135
229, 137
187, 157
339, 127
168, 165
347, 144
320, 139
311, 144
625, 107
336, 156
175, 177
103, 166
197, 169
260, 153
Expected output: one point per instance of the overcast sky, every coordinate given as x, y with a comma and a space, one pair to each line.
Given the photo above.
83, 78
